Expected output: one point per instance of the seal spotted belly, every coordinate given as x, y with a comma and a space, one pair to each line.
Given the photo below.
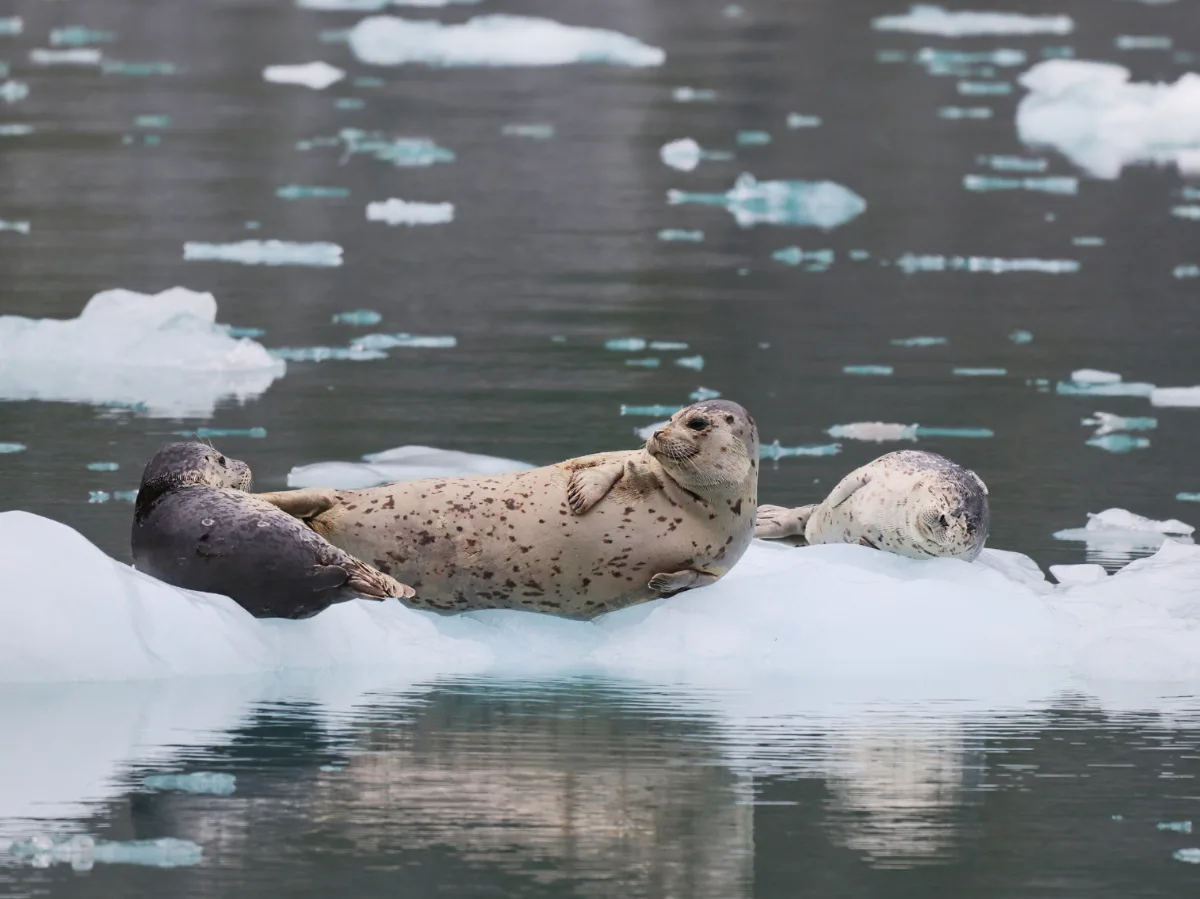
577, 539
913, 503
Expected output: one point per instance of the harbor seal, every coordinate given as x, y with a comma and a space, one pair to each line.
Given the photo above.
194, 526
576, 539
913, 503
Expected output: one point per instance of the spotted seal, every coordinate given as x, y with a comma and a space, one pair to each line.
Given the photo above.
194, 526
913, 503
575, 539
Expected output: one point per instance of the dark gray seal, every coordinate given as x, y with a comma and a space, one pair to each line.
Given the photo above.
195, 527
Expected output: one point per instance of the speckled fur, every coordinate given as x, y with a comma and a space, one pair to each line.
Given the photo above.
912, 503
195, 527
576, 539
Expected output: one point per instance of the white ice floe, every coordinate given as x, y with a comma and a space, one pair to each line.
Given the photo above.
83, 852
404, 463
495, 40
683, 154
1091, 382
820, 204
874, 431
266, 252
1115, 536
75, 56
928, 19
1175, 396
406, 212
1091, 113
162, 354
316, 75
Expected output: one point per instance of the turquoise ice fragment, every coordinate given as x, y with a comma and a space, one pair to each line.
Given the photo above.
18, 227
78, 36
972, 433
368, 81
83, 852
206, 433
815, 260
668, 345
867, 369
1191, 856
700, 394
981, 372
696, 363
152, 121
1004, 57
1188, 497
775, 451
1119, 443
1176, 826
306, 192
651, 362
203, 782
1058, 52
910, 263
1186, 271
675, 235
821, 204
919, 341
267, 252
13, 91
102, 466
98, 496
242, 332
890, 56
137, 69
125, 496
1061, 185
11, 448
1014, 163
965, 112
984, 88
693, 95
625, 344
1186, 212
859, 255
533, 130
795, 121
1143, 42
349, 103
1088, 241
15, 129
753, 138
651, 411
12, 25
358, 317
404, 341
1020, 337
326, 354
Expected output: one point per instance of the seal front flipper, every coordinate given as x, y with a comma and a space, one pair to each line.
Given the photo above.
778, 522
370, 583
588, 486
674, 582
302, 504
846, 488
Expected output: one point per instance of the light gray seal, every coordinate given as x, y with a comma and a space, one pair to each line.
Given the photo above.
913, 503
576, 539
195, 527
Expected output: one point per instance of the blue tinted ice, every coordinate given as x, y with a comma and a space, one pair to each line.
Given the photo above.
13, 91
403, 152
306, 192
984, 88
625, 344
1188, 497
813, 261
349, 103
18, 227
410, 212
1191, 856
753, 138
910, 263
204, 782
700, 394
1090, 382
209, 433
1176, 826
696, 363
1014, 163
693, 95
668, 345
1186, 212
11, 448
1119, 443
651, 362
403, 341
965, 112
1088, 241
1050, 185
1021, 337
11, 25
533, 130
919, 341
795, 121
867, 370
775, 451
1186, 271
820, 204
75, 56
137, 69
152, 121
327, 354
15, 129
102, 466
929, 19
649, 411
1107, 423
266, 252
1143, 42
675, 235
970, 433
79, 36
358, 317
981, 372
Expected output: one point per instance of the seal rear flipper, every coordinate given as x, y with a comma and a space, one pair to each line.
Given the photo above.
302, 504
779, 522
670, 583
588, 486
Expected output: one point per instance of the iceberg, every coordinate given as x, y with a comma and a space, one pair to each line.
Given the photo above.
315, 75
820, 204
162, 355
495, 40
267, 252
1175, 396
929, 19
1092, 114
404, 212
201, 782
404, 463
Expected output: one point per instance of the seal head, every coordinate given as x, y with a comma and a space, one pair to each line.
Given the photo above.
948, 513
707, 447
189, 465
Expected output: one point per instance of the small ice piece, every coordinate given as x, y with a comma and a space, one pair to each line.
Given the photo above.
13, 91
1143, 42
888, 56
733, 11
1121, 519
959, 63
405, 212
266, 252
873, 431
1107, 423
646, 431
693, 95
10, 25
532, 130
1119, 443
859, 255
910, 263
1087, 241
683, 154
815, 260
1062, 185
625, 344
402, 152
1021, 337
495, 40
327, 353
78, 36
242, 332
1188, 497
970, 433
138, 69
306, 192
82, 852
1103, 388
752, 138
152, 121
1175, 826
919, 341
1175, 396
656, 411
929, 19
700, 394
404, 341
651, 362
1186, 271
965, 112
1115, 535
1095, 376
18, 227
125, 496
676, 235
102, 466
867, 369
1077, 575
315, 75
695, 363
99, 496
981, 372
821, 204
668, 345
210, 433
775, 451
369, 81
1186, 212
15, 129
349, 103
1014, 163
358, 318
204, 782
1058, 52
1190, 856
796, 121
76, 56
6, 448
984, 88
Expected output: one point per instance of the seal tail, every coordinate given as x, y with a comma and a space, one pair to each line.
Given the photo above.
371, 583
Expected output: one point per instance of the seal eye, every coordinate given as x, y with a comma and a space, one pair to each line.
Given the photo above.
221, 461
942, 520
697, 424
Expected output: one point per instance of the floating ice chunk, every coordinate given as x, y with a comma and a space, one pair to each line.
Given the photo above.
11, 25
82, 852
821, 204
873, 431
683, 154
1191, 856
891, 56
910, 263
374, 5
796, 121
1123, 520
965, 112
867, 370
242, 332
1175, 396
775, 452
404, 212
1175, 826
1186, 212
315, 75
102, 466
1085, 387
1075, 575
404, 341
675, 235
695, 363
1095, 376
1088, 241
210, 433
1119, 443
18, 227
919, 341
76, 56
984, 88
625, 344
327, 354
813, 261
923, 431
1116, 535
358, 318
652, 362
152, 121
1143, 42
267, 252
928, 19
753, 138
138, 69
13, 91
1021, 337
1186, 271
700, 394
1052, 185
404, 463
1188, 497
496, 40
981, 372
162, 353
1107, 423
1014, 163
368, 81
1097, 118
349, 103
534, 130
656, 411
667, 345
6, 448
403, 152
693, 95
78, 36
204, 782
306, 192
645, 432
13, 129
951, 61
99, 496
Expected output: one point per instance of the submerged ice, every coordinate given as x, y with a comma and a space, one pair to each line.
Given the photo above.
820, 204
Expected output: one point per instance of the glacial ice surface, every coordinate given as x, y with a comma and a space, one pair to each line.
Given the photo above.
929, 19
162, 354
494, 40
267, 252
820, 204
1095, 116
404, 463
315, 75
